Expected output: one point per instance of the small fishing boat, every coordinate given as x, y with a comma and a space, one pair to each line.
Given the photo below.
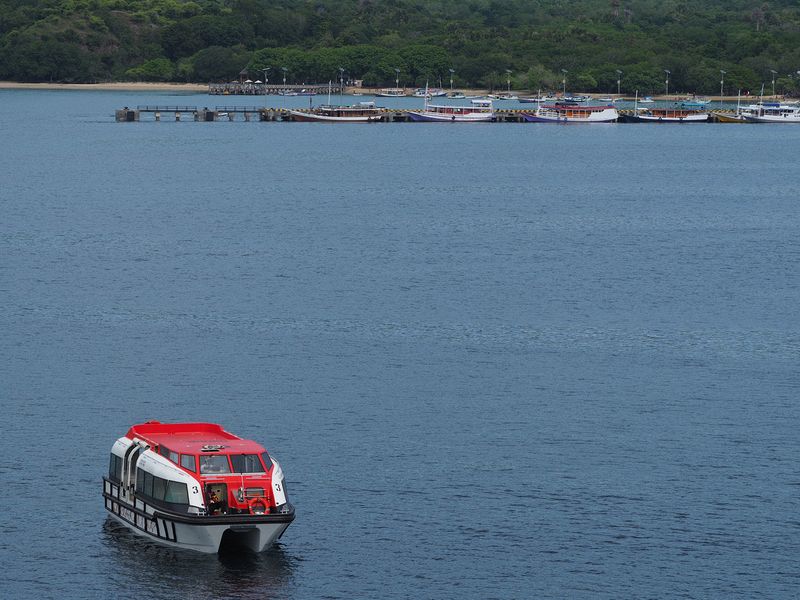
693, 102
503, 96
570, 112
537, 99
728, 117
456, 95
429, 93
478, 111
363, 112
302, 92
196, 486
391, 93
646, 100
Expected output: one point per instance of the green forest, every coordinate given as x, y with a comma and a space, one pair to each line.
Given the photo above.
535, 43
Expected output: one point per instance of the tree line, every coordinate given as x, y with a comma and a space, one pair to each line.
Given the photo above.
595, 45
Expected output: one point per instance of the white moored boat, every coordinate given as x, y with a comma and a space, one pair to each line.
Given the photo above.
196, 486
568, 112
391, 92
363, 112
478, 111
429, 92
771, 112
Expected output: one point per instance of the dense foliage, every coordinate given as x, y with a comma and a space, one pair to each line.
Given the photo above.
481, 40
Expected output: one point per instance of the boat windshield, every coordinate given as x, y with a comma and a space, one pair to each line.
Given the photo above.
246, 463
214, 464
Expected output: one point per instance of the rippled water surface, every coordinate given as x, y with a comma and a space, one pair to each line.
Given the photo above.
495, 361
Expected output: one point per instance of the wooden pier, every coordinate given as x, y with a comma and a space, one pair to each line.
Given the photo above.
261, 113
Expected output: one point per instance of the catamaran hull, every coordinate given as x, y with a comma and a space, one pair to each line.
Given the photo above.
199, 533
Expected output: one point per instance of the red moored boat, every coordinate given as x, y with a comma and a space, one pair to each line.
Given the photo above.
195, 486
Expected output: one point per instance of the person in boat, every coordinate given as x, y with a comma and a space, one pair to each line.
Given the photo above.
214, 502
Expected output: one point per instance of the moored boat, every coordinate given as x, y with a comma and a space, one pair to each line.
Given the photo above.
569, 112
363, 112
771, 112
665, 115
478, 111
429, 92
391, 93
722, 117
694, 102
196, 486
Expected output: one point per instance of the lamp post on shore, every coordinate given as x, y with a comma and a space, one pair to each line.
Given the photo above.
266, 78
666, 83
508, 80
341, 82
773, 82
564, 82
721, 85
619, 81
451, 80
397, 78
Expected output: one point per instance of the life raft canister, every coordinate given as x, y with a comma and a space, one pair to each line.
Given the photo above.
258, 505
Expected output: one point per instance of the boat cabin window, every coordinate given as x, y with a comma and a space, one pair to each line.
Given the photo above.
246, 463
210, 465
267, 460
188, 462
115, 468
164, 451
177, 493
160, 489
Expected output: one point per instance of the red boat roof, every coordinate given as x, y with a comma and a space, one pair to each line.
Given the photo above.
190, 438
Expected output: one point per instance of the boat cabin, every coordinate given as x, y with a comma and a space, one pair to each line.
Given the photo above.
196, 468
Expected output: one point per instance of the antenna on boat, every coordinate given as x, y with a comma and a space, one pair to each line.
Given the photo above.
738, 102
636, 103
426, 96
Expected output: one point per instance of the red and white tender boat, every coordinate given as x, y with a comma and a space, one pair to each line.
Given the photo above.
196, 486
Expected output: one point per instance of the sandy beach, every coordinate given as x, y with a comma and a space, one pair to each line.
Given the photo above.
134, 86
122, 86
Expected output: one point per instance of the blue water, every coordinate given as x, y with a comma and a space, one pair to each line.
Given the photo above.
495, 361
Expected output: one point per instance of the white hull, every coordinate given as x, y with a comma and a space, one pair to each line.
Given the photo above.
209, 538
772, 119
201, 534
306, 116
445, 118
546, 115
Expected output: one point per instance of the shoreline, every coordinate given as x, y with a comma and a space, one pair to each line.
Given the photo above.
138, 86
131, 86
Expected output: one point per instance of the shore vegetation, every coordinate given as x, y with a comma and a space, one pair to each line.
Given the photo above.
587, 45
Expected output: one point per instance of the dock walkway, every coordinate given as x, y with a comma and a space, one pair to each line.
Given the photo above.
261, 113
